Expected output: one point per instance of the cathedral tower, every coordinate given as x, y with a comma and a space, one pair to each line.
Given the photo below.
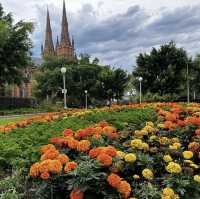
48, 49
65, 47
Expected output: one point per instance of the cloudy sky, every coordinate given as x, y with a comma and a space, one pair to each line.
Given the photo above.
115, 31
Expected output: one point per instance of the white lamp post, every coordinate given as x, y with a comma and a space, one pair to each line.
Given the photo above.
86, 99
64, 91
140, 80
188, 85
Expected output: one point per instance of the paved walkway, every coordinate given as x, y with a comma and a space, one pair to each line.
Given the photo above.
20, 115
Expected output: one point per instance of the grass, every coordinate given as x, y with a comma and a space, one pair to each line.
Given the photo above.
9, 120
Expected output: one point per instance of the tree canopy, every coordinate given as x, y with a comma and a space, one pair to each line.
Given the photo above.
15, 46
163, 70
101, 82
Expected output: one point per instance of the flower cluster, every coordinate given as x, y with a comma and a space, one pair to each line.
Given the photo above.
153, 157
121, 185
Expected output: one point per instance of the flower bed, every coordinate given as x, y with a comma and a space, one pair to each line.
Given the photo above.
158, 160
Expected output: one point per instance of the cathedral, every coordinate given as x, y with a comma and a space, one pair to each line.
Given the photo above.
63, 48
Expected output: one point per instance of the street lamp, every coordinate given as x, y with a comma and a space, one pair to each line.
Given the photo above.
64, 90
188, 85
86, 99
140, 80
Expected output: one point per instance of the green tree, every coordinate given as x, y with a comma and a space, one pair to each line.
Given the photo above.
15, 46
163, 70
101, 82
194, 74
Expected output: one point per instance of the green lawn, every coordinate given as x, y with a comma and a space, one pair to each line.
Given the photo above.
4, 121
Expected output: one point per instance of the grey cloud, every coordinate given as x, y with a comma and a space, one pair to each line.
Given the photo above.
119, 39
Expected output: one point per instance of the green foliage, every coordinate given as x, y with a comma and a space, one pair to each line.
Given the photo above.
15, 47
101, 82
163, 70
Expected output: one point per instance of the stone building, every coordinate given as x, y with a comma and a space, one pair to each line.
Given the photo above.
63, 48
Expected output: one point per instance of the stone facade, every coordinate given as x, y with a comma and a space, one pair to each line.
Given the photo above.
64, 47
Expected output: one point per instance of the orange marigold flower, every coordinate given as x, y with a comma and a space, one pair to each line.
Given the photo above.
114, 180
103, 124
124, 188
45, 176
169, 125
76, 194
35, 170
44, 166
57, 140
72, 143
108, 130
197, 132
98, 130
70, 166
94, 152
47, 147
50, 154
83, 145
180, 123
194, 146
63, 158
105, 159
55, 166
110, 150
68, 132
171, 117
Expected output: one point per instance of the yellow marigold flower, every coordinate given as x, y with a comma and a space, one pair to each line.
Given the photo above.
164, 140
148, 174
174, 140
138, 134
161, 126
194, 166
188, 161
136, 177
144, 131
173, 167
150, 124
136, 143
175, 146
121, 154
130, 157
197, 178
187, 154
145, 146
167, 158
168, 192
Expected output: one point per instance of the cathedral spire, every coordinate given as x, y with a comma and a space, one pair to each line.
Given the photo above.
57, 42
65, 40
48, 46
72, 42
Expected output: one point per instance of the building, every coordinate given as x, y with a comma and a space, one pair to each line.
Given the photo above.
64, 47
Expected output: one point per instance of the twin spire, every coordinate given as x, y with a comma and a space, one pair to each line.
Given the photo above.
64, 48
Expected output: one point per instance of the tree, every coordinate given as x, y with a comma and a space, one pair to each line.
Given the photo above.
15, 46
101, 82
194, 74
163, 70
